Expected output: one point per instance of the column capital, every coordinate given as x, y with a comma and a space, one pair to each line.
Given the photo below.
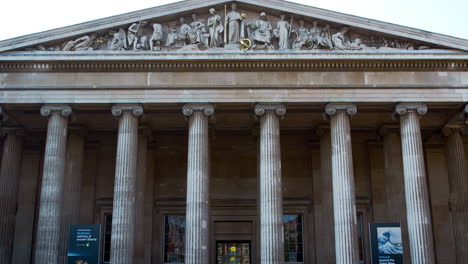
332, 108
387, 129
135, 109
65, 110
207, 109
403, 108
278, 109
3, 116
450, 129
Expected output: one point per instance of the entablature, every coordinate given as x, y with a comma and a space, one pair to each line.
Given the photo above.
231, 62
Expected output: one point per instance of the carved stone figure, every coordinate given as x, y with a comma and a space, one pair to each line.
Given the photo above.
135, 38
196, 34
213, 33
119, 42
325, 37
384, 43
101, 42
178, 38
301, 36
216, 28
395, 44
80, 44
315, 36
156, 37
408, 45
372, 42
339, 41
171, 37
132, 35
315, 30
233, 21
282, 32
261, 31
109, 39
357, 45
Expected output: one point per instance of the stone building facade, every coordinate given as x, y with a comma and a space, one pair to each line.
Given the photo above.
234, 132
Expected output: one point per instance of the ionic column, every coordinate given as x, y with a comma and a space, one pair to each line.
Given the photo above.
198, 182
344, 200
9, 178
271, 197
395, 183
416, 193
123, 213
144, 133
72, 186
458, 178
53, 175
327, 242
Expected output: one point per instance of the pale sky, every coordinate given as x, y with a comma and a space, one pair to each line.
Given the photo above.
22, 17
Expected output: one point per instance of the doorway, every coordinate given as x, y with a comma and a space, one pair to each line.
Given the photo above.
233, 252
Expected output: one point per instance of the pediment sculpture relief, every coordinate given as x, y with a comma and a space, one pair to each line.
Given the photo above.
232, 30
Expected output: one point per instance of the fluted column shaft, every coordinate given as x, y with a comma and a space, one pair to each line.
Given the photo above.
271, 197
9, 178
123, 213
72, 188
395, 185
327, 242
140, 198
344, 201
50, 205
458, 177
197, 228
416, 192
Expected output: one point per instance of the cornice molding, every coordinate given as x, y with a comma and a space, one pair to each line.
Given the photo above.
230, 66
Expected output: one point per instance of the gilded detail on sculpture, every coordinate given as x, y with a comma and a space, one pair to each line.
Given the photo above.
231, 29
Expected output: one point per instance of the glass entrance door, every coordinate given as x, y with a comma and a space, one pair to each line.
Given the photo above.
232, 252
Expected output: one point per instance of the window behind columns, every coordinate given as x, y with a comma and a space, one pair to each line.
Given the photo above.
361, 235
293, 238
174, 239
106, 246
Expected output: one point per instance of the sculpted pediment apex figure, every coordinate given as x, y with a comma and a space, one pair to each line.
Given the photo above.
233, 21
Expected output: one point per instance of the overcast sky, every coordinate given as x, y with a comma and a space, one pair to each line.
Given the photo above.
22, 17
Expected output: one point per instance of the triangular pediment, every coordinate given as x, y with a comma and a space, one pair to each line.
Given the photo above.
160, 29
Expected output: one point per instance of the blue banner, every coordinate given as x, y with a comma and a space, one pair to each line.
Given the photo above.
83, 244
386, 243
